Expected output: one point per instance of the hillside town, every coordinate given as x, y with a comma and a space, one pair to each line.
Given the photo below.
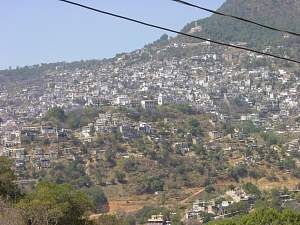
243, 111
201, 126
208, 80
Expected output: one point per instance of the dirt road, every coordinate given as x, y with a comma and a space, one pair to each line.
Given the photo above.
194, 195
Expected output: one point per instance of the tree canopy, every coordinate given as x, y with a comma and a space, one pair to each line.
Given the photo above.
55, 204
8, 189
264, 217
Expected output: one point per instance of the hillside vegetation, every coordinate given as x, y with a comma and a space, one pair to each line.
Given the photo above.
282, 14
264, 217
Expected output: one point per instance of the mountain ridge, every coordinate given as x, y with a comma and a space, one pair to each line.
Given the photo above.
281, 14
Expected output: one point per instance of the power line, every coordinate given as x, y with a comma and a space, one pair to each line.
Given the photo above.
179, 32
236, 17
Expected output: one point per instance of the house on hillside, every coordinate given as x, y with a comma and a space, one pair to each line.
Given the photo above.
129, 132
215, 135
148, 105
181, 148
48, 130
158, 220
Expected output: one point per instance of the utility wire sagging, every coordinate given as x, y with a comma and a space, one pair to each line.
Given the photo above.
178, 32
236, 17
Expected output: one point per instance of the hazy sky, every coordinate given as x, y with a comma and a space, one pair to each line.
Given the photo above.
36, 31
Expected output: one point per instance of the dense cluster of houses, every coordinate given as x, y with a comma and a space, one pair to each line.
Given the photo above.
218, 210
202, 79
201, 75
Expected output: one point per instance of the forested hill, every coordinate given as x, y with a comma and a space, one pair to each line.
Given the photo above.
283, 14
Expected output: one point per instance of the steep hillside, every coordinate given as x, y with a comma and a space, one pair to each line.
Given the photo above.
280, 13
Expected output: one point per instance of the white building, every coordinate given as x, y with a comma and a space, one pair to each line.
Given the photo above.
148, 105
122, 100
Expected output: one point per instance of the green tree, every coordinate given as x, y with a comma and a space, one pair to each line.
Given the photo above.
264, 217
296, 172
210, 189
240, 207
73, 120
239, 171
69, 173
145, 184
120, 176
110, 157
130, 165
55, 204
287, 164
8, 189
56, 115
194, 127
186, 109
248, 127
252, 190
98, 198
271, 138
